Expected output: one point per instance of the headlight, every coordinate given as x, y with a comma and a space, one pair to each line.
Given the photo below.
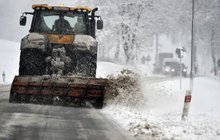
173, 70
167, 69
184, 70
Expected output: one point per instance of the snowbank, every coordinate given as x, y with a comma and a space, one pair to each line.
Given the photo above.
9, 61
160, 115
106, 68
124, 89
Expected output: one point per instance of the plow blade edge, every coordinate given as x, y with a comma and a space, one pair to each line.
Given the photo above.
48, 89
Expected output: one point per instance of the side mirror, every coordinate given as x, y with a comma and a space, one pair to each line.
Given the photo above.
100, 24
23, 20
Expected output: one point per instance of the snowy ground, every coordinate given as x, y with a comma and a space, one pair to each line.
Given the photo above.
9, 60
160, 116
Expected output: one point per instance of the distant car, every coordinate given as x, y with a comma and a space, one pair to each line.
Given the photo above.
172, 68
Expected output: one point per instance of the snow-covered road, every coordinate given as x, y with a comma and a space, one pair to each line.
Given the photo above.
42, 122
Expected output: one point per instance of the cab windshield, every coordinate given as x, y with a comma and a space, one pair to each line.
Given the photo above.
60, 22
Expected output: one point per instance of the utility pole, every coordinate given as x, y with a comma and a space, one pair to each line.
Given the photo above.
181, 73
179, 52
189, 93
156, 54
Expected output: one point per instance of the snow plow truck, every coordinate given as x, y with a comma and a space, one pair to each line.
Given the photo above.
58, 58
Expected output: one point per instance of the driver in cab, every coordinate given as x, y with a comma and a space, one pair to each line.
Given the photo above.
62, 25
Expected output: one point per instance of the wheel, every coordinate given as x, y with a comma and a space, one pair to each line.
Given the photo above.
32, 62
184, 74
86, 63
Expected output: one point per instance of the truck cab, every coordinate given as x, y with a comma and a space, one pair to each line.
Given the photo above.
61, 40
45, 16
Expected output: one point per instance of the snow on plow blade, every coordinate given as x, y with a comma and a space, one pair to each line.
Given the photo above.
64, 90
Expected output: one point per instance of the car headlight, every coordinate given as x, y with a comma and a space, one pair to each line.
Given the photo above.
184, 70
173, 70
167, 69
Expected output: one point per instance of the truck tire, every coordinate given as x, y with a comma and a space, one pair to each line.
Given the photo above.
32, 62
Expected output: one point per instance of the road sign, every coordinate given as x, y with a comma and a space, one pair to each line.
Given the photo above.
178, 52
